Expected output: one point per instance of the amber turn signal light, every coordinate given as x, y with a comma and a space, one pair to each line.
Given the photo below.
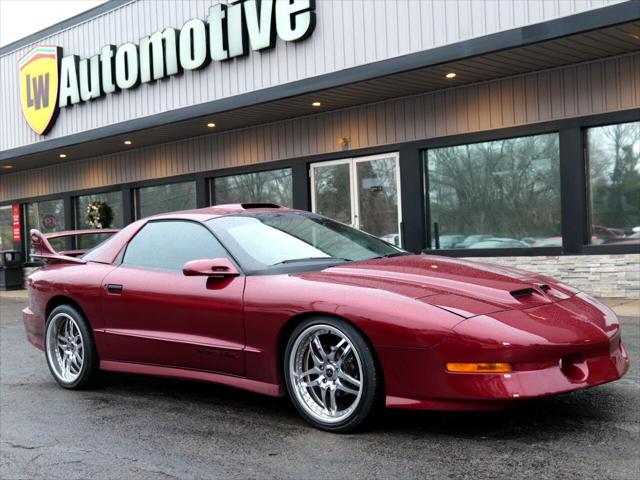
479, 367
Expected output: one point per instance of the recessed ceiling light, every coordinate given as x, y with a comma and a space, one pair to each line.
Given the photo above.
316, 104
128, 142
63, 155
7, 167
450, 75
211, 124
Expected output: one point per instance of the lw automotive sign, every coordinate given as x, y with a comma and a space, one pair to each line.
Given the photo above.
39, 87
231, 30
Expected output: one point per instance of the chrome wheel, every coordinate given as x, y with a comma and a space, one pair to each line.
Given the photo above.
326, 373
65, 348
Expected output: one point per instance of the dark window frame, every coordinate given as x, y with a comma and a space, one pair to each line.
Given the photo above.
412, 185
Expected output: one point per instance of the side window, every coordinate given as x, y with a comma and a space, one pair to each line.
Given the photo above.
168, 245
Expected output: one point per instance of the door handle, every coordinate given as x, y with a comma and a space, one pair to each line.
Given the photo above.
114, 288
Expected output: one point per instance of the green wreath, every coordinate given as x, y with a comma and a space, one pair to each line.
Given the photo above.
99, 215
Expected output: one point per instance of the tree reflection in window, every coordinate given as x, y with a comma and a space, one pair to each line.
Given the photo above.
614, 178
499, 194
171, 197
6, 228
273, 186
332, 187
378, 197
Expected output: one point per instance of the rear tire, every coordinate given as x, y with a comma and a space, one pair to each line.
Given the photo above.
332, 375
70, 349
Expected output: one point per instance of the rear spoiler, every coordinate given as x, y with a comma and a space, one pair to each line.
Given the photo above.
43, 249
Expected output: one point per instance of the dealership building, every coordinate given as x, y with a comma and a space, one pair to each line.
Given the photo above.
506, 131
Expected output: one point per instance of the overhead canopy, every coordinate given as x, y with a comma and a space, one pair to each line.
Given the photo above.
588, 36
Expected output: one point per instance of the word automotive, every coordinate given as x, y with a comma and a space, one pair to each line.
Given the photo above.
230, 31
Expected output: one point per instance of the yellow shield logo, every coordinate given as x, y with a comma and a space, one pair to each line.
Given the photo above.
39, 87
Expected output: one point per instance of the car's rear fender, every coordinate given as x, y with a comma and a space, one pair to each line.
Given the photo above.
74, 284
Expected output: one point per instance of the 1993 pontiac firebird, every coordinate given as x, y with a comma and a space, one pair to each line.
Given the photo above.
275, 300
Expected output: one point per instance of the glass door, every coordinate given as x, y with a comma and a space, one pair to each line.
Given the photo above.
362, 192
331, 191
377, 192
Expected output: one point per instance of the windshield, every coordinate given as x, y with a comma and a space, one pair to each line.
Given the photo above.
263, 241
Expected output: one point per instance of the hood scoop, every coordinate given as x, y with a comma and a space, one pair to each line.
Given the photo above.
523, 292
527, 292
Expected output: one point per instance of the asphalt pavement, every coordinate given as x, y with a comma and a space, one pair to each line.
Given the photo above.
142, 427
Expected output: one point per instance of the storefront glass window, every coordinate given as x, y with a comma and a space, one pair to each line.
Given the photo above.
6, 228
101, 210
500, 194
614, 181
166, 198
47, 216
274, 186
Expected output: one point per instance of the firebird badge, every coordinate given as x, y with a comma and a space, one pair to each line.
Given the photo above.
39, 84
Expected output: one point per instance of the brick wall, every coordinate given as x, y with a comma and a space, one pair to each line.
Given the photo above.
605, 276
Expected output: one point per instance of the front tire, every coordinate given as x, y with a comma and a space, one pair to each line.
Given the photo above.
332, 375
69, 348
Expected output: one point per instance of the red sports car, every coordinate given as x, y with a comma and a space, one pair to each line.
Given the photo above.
275, 300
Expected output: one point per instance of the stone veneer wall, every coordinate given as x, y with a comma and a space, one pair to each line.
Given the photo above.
604, 276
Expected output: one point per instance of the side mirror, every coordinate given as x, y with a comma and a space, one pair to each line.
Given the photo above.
215, 267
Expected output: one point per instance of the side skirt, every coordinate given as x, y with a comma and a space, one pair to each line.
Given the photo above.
270, 389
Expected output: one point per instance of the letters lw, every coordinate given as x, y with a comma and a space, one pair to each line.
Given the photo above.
37, 91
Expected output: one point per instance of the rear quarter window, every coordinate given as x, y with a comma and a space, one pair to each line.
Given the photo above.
168, 245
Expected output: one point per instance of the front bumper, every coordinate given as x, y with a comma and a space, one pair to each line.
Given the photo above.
553, 349
464, 391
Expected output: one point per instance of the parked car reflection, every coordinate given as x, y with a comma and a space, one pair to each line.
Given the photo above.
500, 243
450, 241
482, 241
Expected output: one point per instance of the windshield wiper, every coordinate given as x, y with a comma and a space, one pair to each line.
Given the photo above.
389, 255
308, 259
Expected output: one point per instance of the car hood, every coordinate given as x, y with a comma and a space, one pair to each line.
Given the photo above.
463, 287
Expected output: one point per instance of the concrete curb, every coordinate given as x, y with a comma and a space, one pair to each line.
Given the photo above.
623, 307
13, 294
